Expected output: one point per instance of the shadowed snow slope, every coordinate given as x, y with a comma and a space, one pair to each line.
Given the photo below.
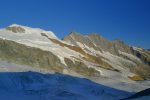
37, 86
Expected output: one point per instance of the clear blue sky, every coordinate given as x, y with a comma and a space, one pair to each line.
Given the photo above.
128, 20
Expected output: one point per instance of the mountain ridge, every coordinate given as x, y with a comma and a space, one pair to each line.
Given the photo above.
35, 63
87, 54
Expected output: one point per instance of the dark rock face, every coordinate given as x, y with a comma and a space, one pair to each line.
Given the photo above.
98, 43
16, 29
139, 94
120, 45
144, 55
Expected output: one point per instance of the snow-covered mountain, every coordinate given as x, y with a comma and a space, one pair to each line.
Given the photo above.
111, 63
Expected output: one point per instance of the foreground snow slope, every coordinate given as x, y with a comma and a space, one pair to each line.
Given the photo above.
33, 85
26, 83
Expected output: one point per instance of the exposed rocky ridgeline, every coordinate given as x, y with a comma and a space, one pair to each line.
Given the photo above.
90, 55
117, 47
97, 42
144, 55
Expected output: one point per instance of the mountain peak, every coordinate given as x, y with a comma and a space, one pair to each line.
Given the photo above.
16, 28
14, 25
23, 26
74, 33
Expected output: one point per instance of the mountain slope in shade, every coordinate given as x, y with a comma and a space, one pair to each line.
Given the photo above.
33, 85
